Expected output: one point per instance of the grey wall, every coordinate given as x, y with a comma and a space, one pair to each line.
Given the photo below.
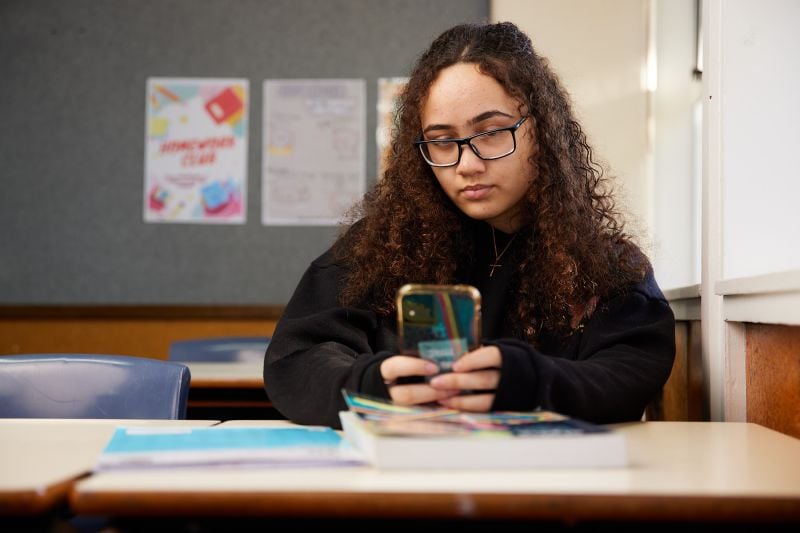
72, 115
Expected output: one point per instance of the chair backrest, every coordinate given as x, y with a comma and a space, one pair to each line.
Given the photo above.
92, 386
220, 349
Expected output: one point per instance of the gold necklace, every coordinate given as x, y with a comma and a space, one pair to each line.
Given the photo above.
496, 263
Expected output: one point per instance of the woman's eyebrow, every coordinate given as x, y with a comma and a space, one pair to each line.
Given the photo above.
486, 115
434, 127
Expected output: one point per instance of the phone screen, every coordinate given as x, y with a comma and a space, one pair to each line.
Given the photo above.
439, 322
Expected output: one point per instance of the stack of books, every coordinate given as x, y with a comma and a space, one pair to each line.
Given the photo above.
410, 437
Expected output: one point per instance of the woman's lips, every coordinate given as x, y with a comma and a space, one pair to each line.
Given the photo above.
476, 192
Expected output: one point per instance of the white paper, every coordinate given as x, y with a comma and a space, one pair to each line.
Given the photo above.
314, 136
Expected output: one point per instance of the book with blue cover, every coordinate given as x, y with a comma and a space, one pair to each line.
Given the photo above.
395, 436
148, 447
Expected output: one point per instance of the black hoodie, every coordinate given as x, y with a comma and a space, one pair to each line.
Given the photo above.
607, 370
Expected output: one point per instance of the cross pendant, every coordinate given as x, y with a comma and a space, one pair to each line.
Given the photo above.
494, 265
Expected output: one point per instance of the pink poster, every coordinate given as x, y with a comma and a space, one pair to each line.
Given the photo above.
196, 150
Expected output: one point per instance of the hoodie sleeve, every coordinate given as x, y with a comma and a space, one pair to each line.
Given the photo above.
320, 347
622, 359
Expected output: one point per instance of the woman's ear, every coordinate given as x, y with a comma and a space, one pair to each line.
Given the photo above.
533, 131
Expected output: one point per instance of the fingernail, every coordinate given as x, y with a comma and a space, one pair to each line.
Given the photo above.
435, 381
431, 368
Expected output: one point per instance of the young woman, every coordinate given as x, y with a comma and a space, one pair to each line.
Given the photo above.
490, 182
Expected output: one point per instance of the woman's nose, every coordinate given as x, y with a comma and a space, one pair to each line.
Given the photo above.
470, 163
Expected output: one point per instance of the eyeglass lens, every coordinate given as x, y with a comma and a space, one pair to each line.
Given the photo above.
489, 145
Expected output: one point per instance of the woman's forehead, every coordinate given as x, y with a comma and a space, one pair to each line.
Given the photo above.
462, 92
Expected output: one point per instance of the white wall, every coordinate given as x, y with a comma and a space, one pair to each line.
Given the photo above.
599, 49
748, 213
676, 115
751, 257
760, 107
749, 210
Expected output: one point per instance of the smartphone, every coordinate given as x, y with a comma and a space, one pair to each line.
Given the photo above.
438, 322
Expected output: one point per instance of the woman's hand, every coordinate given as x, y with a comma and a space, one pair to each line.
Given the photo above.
400, 366
478, 370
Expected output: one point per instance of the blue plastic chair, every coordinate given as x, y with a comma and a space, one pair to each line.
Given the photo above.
92, 386
220, 349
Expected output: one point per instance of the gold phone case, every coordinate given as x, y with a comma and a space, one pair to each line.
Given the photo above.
438, 322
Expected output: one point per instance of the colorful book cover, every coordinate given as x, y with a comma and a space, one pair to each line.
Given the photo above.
196, 150
421, 437
385, 417
149, 447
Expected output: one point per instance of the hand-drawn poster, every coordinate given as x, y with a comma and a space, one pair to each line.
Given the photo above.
388, 92
196, 150
314, 150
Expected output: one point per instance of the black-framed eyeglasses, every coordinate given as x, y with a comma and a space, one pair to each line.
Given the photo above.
487, 145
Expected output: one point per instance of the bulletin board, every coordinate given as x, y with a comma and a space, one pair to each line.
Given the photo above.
72, 137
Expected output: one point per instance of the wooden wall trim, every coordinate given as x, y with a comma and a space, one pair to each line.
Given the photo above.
143, 330
156, 312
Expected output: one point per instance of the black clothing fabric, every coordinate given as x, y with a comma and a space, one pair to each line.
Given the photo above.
608, 370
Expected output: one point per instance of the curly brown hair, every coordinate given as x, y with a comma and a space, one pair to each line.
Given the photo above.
574, 247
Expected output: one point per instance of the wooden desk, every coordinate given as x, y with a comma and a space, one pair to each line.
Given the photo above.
680, 471
41, 458
228, 390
